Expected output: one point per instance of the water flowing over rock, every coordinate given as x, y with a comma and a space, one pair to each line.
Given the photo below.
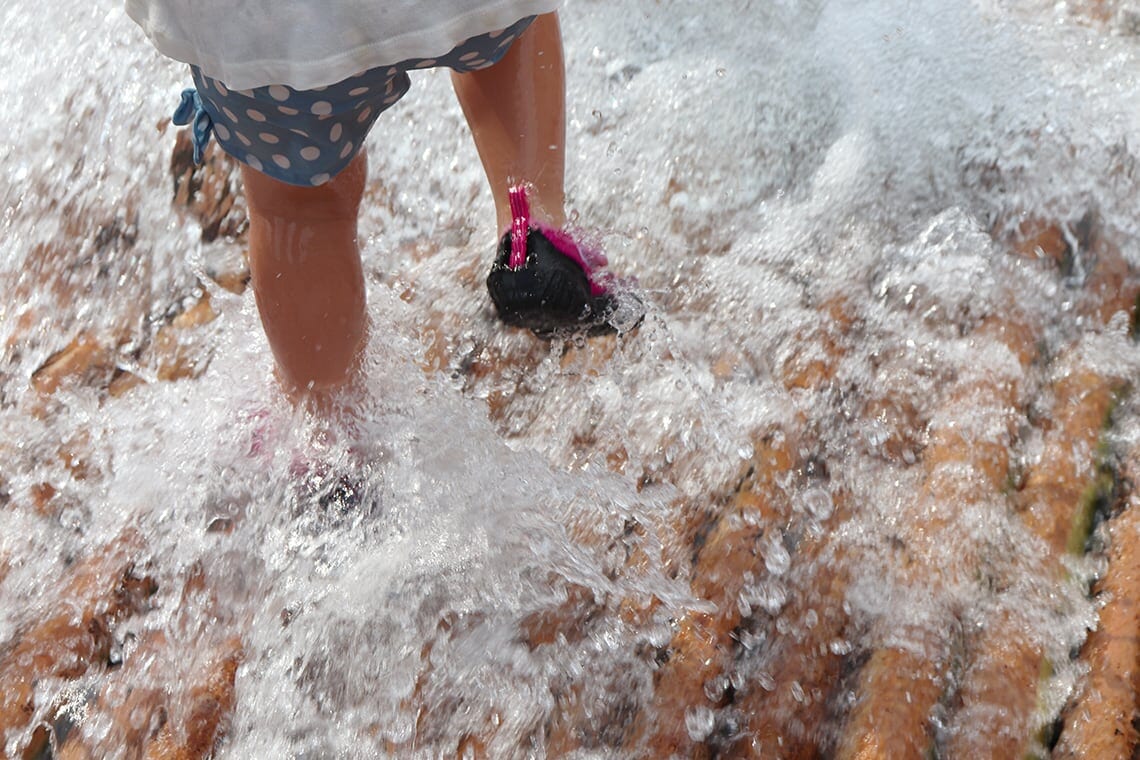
860, 485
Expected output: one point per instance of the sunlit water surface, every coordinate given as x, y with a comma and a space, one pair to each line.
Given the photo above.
748, 161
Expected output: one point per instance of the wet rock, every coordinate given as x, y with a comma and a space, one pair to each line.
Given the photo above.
899, 716
1052, 501
898, 426
1103, 718
177, 352
1111, 285
84, 360
123, 381
1035, 239
210, 191
567, 622
817, 351
205, 712
74, 635
235, 280
729, 558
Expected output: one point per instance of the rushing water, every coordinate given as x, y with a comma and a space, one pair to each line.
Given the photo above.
751, 163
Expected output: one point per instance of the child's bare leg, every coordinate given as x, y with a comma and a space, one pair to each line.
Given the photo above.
307, 276
517, 113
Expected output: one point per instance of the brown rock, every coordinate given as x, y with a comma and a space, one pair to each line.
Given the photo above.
84, 359
205, 713
210, 191
175, 353
1103, 718
1036, 239
122, 382
235, 281
900, 688
702, 648
820, 348
998, 693
75, 634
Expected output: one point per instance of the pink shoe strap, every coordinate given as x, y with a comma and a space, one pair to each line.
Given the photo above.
520, 225
588, 259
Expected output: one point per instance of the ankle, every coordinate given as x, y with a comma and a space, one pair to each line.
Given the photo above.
547, 209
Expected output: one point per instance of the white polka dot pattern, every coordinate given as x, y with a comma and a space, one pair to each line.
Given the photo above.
305, 137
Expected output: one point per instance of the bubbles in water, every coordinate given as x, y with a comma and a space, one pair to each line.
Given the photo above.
840, 647
817, 501
750, 640
467, 545
699, 722
767, 683
772, 596
776, 556
715, 688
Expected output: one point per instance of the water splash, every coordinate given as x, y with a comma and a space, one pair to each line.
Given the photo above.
476, 550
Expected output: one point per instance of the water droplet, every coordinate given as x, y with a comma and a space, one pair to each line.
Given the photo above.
743, 605
839, 647
818, 503
716, 687
798, 692
699, 722
749, 640
772, 597
737, 680
776, 557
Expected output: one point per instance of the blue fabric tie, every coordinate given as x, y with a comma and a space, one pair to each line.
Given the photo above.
190, 111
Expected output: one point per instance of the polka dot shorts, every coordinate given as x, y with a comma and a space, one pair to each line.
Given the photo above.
305, 137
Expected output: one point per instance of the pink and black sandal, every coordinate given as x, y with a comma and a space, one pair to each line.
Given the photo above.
544, 280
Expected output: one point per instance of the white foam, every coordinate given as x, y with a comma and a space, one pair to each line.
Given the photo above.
747, 163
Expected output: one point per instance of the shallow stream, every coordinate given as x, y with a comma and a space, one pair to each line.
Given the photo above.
493, 549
